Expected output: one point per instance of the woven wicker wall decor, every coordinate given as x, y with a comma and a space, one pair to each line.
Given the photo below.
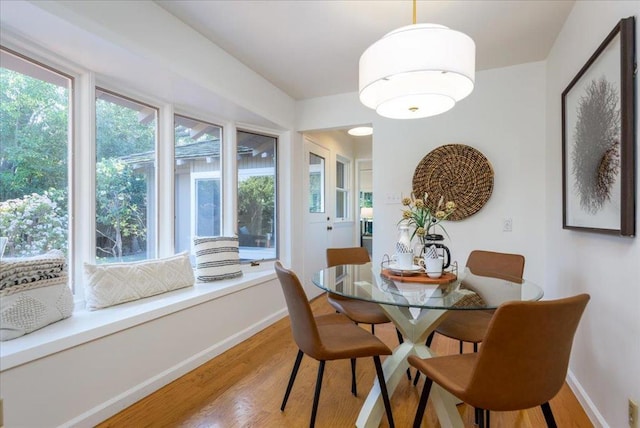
457, 172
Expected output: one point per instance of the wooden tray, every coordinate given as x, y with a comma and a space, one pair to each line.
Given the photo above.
420, 277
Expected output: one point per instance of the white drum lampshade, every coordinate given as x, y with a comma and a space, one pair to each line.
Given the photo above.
417, 71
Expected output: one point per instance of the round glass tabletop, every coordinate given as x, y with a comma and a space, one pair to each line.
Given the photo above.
467, 291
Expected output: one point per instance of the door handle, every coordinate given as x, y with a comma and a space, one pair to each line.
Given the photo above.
329, 228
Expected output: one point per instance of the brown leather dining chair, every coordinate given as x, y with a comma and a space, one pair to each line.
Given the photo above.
471, 326
359, 311
325, 338
522, 363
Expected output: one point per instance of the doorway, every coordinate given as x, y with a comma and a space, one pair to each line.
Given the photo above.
331, 195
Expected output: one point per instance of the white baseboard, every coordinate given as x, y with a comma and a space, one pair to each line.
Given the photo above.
111, 407
590, 409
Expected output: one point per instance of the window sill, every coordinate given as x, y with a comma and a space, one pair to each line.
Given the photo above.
84, 325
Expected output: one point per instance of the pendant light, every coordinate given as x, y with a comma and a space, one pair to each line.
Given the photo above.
417, 71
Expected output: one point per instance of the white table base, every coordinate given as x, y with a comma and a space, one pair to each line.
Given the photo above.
415, 332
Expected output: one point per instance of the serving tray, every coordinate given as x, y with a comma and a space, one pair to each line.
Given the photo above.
420, 277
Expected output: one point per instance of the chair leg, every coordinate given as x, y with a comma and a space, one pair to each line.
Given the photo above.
461, 347
401, 341
373, 329
383, 390
292, 378
422, 405
354, 389
548, 415
488, 424
430, 338
400, 338
428, 343
316, 397
416, 378
475, 347
478, 415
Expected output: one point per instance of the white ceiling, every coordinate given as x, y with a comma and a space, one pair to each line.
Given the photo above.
311, 48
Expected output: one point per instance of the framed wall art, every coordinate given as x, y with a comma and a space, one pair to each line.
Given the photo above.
598, 139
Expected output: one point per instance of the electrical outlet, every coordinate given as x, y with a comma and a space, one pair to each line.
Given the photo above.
507, 225
633, 414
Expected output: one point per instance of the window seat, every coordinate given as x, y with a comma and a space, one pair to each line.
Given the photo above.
84, 325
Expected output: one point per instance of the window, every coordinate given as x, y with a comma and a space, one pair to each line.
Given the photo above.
257, 225
126, 132
316, 183
198, 195
116, 175
34, 164
342, 189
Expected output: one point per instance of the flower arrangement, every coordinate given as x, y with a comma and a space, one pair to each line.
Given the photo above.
420, 216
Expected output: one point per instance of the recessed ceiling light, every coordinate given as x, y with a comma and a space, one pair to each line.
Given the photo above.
360, 131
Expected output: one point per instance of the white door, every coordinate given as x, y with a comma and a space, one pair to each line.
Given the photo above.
318, 182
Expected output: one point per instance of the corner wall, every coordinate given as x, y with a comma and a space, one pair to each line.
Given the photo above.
606, 349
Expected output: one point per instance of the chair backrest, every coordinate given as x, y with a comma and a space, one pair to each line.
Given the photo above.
347, 256
303, 325
489, 263
524, 357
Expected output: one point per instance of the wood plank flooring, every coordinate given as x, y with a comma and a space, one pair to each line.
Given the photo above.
244, 386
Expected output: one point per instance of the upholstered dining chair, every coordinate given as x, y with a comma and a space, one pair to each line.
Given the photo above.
522, 362
325, 338
359, 311
471, 326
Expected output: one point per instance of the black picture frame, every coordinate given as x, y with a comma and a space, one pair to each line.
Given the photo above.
599, 139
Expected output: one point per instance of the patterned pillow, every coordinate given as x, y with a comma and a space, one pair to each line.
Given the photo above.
111, 284
30, 309
216, 258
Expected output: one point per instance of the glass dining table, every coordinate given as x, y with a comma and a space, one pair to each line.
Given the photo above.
416, 305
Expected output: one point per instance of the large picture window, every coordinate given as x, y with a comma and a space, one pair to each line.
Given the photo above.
116, 175
34, 163
198, 187
126, 132
257, 225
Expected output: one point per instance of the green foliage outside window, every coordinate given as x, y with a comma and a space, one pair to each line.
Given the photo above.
256, 202
120, 213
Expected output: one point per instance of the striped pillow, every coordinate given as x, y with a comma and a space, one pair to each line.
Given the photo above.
216, 258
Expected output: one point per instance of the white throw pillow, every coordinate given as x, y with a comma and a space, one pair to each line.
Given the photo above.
111, 284
31, 309
216, 258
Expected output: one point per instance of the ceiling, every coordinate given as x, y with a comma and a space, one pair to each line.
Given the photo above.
311, 48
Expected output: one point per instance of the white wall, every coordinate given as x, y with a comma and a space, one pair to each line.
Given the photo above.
607, 346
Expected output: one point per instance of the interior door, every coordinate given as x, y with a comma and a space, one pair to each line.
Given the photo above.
318, 185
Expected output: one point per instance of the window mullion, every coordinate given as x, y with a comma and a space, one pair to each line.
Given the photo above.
166, 182
82, 197
230, 180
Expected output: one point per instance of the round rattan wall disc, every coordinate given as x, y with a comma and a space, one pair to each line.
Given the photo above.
457, 172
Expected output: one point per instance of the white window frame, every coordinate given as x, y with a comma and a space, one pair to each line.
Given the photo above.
82, 157
344, 191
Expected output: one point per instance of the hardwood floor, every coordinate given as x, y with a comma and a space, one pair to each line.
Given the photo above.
244, 387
